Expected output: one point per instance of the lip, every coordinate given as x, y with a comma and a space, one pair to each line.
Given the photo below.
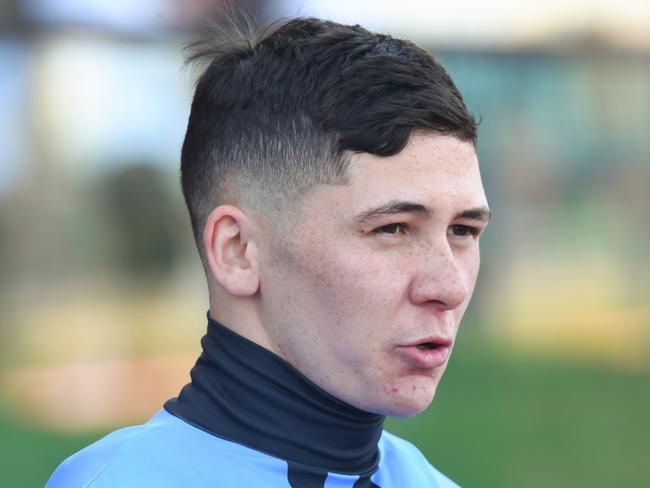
417, 357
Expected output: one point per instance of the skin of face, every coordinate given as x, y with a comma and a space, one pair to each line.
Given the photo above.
374, 268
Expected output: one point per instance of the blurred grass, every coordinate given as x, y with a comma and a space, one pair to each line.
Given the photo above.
497, 421
506, 421
30, 455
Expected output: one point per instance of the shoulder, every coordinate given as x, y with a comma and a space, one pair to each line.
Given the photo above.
165, 451
400, 460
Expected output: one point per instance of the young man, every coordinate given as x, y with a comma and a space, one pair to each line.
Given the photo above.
333, 185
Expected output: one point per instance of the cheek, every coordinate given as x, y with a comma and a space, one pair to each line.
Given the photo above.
470, 262
352, 288
340, 282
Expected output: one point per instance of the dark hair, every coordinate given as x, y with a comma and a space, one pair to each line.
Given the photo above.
277, 113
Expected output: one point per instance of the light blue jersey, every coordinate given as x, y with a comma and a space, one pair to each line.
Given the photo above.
168, 452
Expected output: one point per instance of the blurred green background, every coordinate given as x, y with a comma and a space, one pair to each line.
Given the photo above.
101, 293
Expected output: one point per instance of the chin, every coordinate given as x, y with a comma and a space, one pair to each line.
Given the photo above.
411, 398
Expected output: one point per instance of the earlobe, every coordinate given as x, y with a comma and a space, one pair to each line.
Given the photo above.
230, 250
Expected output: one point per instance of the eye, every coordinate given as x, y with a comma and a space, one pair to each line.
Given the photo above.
391, 229
459, 230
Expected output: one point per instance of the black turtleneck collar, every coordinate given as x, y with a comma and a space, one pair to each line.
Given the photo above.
242, 392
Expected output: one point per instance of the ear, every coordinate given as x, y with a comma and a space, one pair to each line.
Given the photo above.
231, 251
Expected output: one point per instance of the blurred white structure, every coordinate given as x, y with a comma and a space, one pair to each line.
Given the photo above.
499, 22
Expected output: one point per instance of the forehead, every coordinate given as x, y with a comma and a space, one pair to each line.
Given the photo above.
435, 170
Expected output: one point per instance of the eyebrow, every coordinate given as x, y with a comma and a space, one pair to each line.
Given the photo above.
391, 208
483, 214
398, 206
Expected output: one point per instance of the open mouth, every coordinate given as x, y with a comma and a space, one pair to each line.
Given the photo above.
427, 354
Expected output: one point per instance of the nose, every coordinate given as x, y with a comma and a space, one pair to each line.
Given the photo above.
441, 281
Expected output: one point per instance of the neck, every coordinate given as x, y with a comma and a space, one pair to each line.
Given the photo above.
242, 319
243, 392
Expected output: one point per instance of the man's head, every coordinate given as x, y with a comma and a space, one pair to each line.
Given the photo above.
333, 187
275, 115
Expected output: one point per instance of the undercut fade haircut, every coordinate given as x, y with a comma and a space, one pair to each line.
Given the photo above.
277, 112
